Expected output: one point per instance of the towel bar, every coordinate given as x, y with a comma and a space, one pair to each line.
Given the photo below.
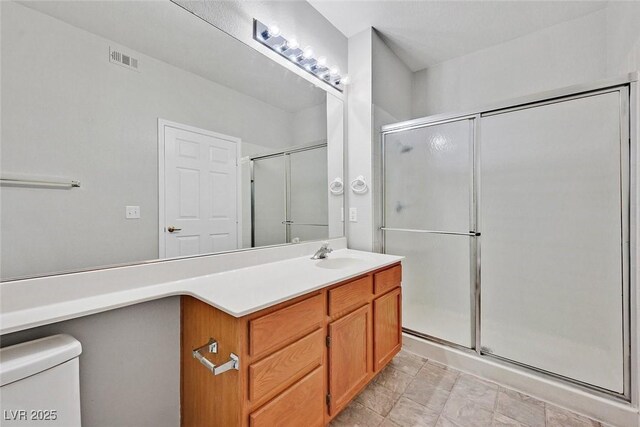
212, 347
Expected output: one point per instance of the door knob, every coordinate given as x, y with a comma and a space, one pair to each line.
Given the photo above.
171, 229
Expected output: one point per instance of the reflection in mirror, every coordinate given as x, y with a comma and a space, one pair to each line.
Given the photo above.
184, 140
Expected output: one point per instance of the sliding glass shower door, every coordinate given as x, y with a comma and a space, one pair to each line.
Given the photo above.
428, 216
268, 201
289, 196
553, 220
515, 228
308, 196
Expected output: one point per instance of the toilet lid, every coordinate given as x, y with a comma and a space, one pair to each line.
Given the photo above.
29, 358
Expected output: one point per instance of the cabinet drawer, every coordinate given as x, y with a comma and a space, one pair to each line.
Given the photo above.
300, 405
350, 295
285, 366
285, 325
387, 279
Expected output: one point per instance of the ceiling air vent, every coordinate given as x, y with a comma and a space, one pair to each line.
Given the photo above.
120, 58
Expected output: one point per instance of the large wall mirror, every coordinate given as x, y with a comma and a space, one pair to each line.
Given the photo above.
184, 140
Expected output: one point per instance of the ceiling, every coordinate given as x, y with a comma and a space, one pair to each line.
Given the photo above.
425, 33
165, 31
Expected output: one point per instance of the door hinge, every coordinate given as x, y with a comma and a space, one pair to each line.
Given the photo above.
328, 341
328, 399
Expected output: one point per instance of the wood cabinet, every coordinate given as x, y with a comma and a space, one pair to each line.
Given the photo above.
350, 357
387, 327
301, 361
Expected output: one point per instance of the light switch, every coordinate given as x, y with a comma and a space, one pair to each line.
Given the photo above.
132, 212
353, 214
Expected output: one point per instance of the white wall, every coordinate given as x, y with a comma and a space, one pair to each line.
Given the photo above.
392, 81
359, 148
603, 44
623, 37
103, 132
309, 125
562, 55
295, 18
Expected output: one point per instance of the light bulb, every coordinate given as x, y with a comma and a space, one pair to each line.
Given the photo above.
322, 61
273, 30
307, 52
334, 71
292, 44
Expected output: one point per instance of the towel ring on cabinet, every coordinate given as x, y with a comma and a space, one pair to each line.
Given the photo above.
359, 185
336, 186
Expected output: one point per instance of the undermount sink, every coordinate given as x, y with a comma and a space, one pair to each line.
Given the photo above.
338, 263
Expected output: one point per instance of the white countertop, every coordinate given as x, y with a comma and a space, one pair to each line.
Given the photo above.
237, 292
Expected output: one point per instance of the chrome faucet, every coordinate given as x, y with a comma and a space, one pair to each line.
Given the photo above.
323, 251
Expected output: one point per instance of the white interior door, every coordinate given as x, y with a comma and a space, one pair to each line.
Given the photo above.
200, 192
552, 217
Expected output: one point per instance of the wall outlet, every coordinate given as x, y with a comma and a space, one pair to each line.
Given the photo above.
132, 212
353, 214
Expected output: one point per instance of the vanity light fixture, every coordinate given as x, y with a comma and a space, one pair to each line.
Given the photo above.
271, 37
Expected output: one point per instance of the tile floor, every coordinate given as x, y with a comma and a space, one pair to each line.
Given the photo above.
413, 391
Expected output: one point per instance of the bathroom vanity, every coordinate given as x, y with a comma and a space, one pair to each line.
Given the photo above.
300, 361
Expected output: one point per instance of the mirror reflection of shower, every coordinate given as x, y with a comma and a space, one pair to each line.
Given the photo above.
289, 201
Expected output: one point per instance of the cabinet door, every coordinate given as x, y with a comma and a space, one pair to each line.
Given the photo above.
350, 356
387, 328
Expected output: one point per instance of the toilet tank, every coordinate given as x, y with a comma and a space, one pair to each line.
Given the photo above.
40, 383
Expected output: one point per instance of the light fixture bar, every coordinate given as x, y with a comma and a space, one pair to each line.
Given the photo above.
302, 56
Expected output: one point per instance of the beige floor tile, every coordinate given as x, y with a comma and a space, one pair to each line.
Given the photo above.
422, 391
446, 422
500, 420
408, 362
357, 415
481, 392
388, 423
465, 412
378, 398
412, 391
408, 413
520, 407
393, 379
558, 417
438, 377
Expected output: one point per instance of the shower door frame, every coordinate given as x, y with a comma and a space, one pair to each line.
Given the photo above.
286, 155
630, 144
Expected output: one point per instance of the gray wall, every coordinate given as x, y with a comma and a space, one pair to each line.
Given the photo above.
130, 363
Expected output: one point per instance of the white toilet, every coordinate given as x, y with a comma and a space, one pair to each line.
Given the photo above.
40, 383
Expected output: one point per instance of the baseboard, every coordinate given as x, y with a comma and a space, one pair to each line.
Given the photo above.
607, 410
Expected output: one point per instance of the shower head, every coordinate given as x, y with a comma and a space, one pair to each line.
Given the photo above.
406, 148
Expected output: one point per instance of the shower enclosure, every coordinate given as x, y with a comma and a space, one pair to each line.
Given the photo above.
289, 197
515, 226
